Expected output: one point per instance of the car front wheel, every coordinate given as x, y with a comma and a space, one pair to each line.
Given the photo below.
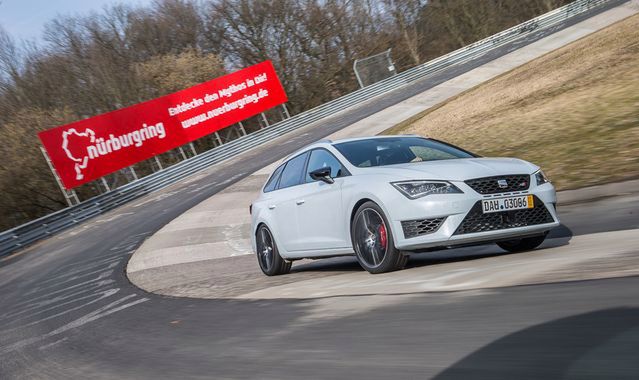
372, 241
268, 256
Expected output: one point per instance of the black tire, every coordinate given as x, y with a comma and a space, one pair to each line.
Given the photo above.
268, 256
373, 241
523, 244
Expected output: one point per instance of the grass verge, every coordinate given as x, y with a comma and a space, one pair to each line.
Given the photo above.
574, 111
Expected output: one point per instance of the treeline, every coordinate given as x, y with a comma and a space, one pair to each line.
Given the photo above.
123, 55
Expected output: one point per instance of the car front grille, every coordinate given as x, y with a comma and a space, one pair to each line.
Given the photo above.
414, 228
477, 221
491, 185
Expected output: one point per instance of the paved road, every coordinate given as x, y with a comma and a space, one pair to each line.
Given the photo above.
68, 311
63, 322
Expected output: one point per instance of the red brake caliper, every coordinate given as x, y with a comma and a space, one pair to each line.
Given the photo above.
382, 235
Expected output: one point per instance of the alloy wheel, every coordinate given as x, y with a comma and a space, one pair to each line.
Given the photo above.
265, 248
371, 237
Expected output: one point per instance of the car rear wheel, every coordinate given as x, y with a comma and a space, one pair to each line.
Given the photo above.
373, 241
523, 244
268, 256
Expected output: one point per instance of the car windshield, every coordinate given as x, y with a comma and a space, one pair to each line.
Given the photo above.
400, 150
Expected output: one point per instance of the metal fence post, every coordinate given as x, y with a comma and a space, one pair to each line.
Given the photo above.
288, 115
182, 153
157, 162
218, 138
265, 120
105, 184
69, 197
242, 128
359, 79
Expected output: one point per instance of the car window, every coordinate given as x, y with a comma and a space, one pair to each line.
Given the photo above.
399, 150
272, 182
292, 174
426, 153
321, 158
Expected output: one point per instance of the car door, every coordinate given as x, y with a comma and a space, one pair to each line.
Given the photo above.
320, 210
283, 203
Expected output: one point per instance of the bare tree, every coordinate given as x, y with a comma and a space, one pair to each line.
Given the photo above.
405, 14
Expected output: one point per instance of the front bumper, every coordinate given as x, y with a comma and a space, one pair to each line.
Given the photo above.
454, 208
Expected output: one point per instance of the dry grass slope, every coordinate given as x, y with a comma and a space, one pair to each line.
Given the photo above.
574, 112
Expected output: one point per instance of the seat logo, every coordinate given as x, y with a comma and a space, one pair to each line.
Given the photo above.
502, 183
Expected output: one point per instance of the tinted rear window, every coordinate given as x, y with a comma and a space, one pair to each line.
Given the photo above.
272, 182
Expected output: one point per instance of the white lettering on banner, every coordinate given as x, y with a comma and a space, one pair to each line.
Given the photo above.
232, 89
240, 103
104, 146
185, 107
222, 93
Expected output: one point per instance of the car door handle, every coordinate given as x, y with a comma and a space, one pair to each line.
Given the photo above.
271, 207
300, 202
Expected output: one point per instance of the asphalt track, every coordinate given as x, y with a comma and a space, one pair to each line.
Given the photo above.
68, 311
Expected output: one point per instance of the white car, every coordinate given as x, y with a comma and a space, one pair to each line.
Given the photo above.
383, 198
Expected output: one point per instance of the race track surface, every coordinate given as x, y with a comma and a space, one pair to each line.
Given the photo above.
67, 309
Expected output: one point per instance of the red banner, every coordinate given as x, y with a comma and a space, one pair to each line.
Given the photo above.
92, 148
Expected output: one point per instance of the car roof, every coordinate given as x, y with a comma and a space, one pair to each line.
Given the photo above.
372, 137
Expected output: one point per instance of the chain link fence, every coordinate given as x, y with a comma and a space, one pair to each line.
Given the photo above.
373, 69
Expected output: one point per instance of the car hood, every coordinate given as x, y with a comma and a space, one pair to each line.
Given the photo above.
456, 169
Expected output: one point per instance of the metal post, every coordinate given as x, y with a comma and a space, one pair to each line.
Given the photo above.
242, 128
265, 120
182, 153
288, 115
193, 149
238, 131
105, 184
75, 196
391, 65
359, 80
135, 175
219, 138
158, 163
64, 191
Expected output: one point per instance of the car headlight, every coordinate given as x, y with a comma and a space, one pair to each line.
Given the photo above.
540, 177
418, 189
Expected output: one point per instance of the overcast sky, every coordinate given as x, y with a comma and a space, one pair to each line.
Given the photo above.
25, 19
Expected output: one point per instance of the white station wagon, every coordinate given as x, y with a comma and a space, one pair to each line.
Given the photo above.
383, 198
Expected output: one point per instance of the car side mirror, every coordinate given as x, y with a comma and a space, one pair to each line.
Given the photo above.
322, 174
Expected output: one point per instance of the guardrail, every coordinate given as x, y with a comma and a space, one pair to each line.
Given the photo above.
28, 233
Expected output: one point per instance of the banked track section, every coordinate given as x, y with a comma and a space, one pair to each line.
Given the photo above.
471, 55
67, 311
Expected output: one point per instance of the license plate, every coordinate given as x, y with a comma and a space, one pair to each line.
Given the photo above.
507, 204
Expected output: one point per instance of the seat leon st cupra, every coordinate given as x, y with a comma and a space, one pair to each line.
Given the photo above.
383, 198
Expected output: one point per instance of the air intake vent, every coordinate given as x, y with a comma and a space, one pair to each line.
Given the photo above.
414, 228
